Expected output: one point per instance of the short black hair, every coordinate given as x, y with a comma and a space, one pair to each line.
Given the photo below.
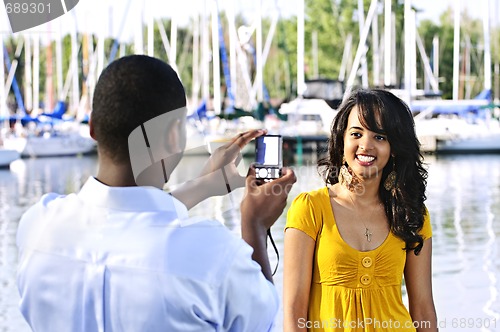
131, 91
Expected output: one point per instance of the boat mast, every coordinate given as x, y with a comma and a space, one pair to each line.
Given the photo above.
376, 51
233, 55
205, 53
301, 84
151, 27
36, 71
407, 51
387, 42
59, 57
28, 89
215, 58
3, 99
429, 75
101, 37
315, 53
413, 51
456, 50
258, 85
364, 67
74, 71
258, 51
346, 55
361, 48
173, 43
487, 51
435, 59
138, 39
83, 105
196, 62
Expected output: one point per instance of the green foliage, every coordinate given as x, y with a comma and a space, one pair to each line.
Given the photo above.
471, 51
333, 21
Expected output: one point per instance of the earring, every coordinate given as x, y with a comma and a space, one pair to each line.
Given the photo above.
345, 178
390, 181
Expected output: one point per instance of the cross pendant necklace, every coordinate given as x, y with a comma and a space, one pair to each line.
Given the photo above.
368, 234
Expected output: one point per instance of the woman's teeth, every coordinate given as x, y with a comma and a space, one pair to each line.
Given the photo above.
366, 159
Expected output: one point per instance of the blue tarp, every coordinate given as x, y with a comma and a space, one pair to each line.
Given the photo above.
461, 109
59, 110
55, 116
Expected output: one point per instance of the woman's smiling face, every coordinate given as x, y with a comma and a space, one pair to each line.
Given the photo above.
366, 152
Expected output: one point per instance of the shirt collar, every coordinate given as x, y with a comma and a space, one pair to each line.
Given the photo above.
138, 199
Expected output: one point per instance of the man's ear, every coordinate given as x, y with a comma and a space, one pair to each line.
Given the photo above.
91, 128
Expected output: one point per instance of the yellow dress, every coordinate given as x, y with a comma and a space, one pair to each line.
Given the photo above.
351, 290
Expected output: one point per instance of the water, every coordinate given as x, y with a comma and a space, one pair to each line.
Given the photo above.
463, 200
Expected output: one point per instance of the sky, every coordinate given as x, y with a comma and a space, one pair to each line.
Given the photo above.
109, 15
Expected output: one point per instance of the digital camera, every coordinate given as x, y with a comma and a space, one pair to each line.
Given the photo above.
268, 157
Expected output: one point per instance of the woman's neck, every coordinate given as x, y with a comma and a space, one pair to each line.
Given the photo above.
366, 192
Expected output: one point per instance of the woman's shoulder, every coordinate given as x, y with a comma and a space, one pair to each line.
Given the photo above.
311, 199
426, 230
306, 211
314, 194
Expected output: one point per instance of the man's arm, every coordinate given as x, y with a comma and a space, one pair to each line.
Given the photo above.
219, 175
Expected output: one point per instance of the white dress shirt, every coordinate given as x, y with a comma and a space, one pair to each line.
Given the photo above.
130, 259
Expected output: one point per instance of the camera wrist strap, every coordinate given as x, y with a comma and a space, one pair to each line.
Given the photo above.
275, 250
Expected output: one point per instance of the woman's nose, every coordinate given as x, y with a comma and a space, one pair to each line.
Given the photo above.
366, 143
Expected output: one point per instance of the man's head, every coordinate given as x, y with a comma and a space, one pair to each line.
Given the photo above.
131, 91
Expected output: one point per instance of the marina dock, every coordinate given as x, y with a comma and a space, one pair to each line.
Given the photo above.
294, 147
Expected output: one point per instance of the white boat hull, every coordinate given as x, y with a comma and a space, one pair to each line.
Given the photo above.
8, 156
63, 145
307, 117
456, 135
490, 143
49, 146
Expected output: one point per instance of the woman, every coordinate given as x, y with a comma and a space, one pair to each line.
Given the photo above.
347, 245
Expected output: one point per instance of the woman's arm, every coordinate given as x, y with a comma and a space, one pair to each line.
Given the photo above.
297, 276
418, 279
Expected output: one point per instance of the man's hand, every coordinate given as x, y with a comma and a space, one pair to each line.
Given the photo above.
226, 158
219, 176
263, 203
260, 208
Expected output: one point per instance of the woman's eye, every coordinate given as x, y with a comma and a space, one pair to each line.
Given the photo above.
356, 134
380, 138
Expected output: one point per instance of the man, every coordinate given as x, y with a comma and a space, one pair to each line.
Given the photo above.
121, 257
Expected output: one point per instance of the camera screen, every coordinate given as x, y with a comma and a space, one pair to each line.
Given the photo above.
268, 150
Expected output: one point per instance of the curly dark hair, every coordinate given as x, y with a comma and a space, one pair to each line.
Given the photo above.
382, 112
131, 91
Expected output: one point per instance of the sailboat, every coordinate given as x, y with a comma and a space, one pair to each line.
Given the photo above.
312, 113
48, 133
463, 127
7, 156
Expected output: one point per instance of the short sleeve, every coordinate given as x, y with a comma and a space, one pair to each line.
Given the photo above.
303, 216
426, 230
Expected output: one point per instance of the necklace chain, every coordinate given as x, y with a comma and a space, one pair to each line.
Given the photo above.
368, 232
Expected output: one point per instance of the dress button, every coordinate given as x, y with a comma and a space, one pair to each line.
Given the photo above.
365, 279
367, 262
